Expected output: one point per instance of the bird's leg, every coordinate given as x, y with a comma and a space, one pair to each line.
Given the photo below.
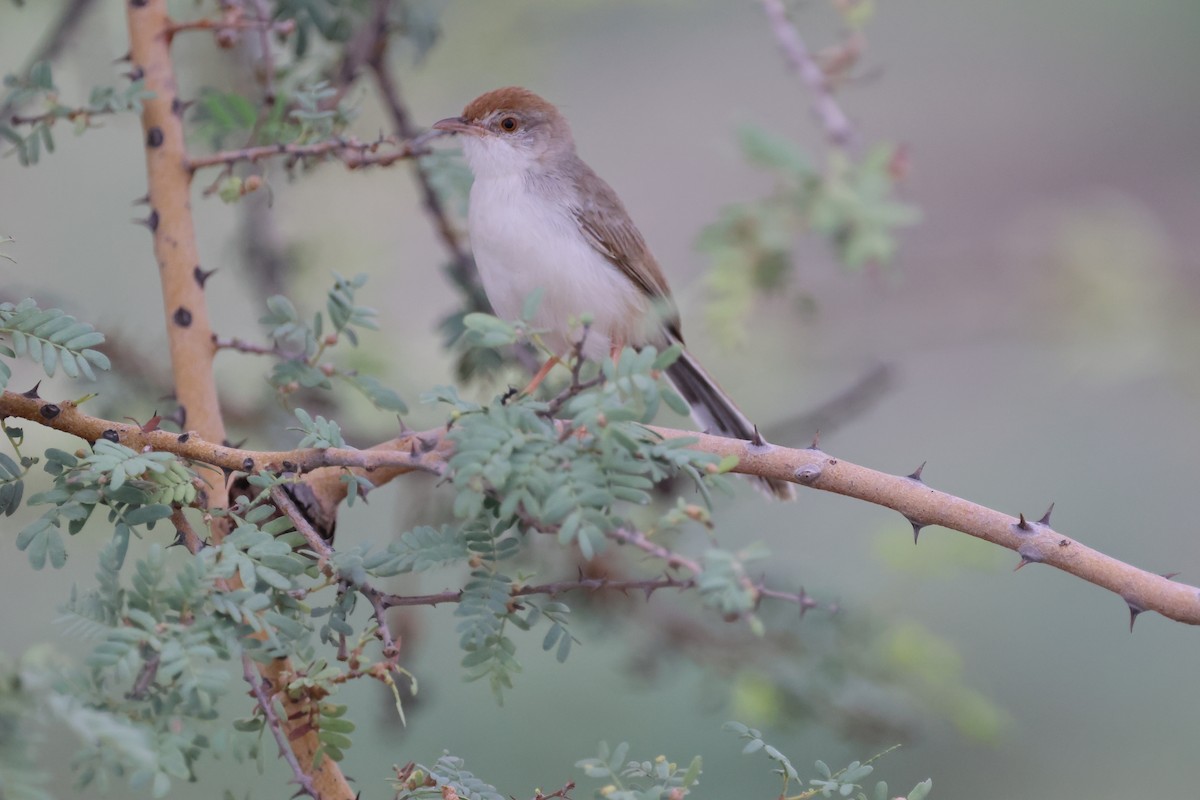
541, 375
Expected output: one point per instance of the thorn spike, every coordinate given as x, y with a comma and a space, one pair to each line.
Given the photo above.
816, 442
1023, 524
916, 473
1045, 520
1169, 575
1022, 563
1133, 614
758, 440
32, 394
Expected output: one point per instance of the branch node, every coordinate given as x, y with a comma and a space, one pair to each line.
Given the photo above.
808, 474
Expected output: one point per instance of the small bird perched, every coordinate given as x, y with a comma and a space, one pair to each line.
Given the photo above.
540, 218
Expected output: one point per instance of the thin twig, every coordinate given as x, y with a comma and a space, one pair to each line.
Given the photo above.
267, 705
563, 793
576, 386
242, 346
837, 125
463, 268
61, 112
266, 69
641, 542
648, 586
145, 676
240, 22
375, 597
353, 153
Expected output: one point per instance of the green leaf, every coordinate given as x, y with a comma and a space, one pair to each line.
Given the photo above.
921, 790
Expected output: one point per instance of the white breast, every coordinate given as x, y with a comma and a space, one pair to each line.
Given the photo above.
523, 243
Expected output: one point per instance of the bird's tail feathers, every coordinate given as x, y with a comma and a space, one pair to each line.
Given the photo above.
716, 413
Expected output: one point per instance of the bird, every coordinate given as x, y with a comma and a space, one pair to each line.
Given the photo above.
540, 219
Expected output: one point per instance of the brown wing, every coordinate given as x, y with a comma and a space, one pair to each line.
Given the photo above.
606, 224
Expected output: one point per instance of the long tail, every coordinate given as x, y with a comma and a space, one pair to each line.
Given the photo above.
715, 413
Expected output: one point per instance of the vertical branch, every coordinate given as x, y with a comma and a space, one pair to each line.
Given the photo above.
189, 332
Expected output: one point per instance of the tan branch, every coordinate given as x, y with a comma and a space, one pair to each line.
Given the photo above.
920, 504
189, 332
1034, 542
414, 452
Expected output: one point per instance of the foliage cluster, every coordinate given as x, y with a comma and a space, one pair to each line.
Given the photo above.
168, 629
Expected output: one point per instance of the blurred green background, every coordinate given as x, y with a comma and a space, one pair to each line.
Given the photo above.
1040, 325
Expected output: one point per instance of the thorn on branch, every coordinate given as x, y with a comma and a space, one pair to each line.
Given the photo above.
202, 275
151, 222
32, 394
1023, 524
1027, 557
916, 473
1134, 610
916, 526
1045, 520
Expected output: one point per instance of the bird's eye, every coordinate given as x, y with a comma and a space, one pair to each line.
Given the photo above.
509, 124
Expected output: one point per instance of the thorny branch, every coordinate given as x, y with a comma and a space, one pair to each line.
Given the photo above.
189, 333
67, 417
920, 504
